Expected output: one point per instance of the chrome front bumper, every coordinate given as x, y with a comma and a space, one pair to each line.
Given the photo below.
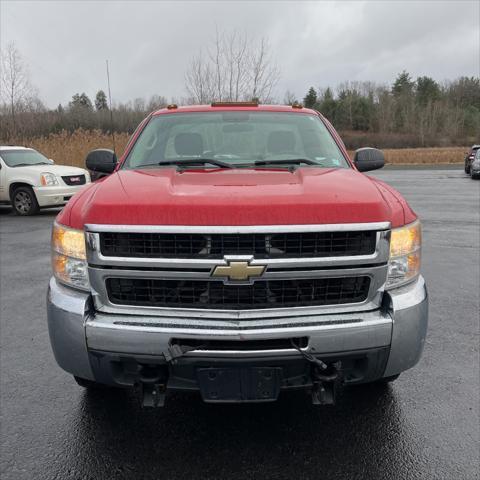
76, 330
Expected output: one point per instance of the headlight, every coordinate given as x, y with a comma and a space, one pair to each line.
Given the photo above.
68, 257
48, 179
405, 247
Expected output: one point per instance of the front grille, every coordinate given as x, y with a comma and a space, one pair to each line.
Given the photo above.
277, 245
217, 295
74, 180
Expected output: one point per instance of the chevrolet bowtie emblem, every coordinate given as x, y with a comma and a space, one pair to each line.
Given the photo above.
238, 271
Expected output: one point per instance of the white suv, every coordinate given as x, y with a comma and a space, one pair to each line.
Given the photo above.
30, 181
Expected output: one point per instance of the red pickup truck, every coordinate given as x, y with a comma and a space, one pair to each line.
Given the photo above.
236, 250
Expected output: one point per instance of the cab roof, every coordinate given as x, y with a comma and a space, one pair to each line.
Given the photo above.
234, 106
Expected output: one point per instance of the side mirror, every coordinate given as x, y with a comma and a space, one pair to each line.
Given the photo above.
367, 159
101, 160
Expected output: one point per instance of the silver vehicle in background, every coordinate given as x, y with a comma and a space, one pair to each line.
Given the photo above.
470, 156
475, 166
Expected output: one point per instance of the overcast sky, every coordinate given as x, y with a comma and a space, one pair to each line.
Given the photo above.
149, 43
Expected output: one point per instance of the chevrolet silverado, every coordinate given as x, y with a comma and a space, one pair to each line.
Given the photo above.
236, 250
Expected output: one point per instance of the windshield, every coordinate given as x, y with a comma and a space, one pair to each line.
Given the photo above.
238, 138
19, 158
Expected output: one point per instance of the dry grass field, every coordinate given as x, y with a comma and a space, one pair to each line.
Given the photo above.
424, 156
71, 149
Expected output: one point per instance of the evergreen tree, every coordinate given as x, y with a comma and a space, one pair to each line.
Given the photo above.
80, 101
328, 105
403, 92
101, 101
310, 99
403, 85
427, 90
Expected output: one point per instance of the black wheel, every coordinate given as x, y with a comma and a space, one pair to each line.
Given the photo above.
388, 379
24, 201
89, 384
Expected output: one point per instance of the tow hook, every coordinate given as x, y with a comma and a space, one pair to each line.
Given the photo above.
325, 384
326, 379
152, 383
152, 386
153, 394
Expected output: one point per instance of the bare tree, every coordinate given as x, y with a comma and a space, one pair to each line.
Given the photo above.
156, 102
237, 46
199, 80
264, 73
289, 98
234, 68
16, 87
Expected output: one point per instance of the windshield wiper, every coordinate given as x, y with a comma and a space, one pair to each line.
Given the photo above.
287, 161
196, 161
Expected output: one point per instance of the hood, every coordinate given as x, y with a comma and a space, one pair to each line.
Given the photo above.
165, 196
55, 169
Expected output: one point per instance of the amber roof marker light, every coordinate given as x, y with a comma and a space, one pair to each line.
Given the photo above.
172, 106
297, 105
234, 104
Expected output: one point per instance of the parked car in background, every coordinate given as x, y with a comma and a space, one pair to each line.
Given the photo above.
469, 158
475, 166
30, 181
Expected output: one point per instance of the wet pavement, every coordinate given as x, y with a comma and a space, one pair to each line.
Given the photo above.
425, 425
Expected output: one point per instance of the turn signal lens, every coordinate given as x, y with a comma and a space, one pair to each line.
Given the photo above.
68, 241
405, 239
68, 257
405, 255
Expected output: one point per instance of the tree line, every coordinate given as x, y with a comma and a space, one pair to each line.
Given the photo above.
406, 113
409, 112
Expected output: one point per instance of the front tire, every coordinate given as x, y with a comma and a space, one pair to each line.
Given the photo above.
24, 201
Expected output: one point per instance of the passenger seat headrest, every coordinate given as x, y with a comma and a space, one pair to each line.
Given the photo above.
188, 144
281, 142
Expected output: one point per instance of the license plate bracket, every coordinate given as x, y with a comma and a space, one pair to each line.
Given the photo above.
253, 384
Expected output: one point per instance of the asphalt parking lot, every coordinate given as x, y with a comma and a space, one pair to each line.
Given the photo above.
426, 425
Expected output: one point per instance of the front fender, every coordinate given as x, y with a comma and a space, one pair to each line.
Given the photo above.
25, 179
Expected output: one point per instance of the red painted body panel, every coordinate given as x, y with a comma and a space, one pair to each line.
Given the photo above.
242, 197
259, 108
164, 196
396, 201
